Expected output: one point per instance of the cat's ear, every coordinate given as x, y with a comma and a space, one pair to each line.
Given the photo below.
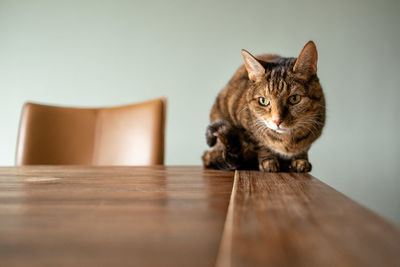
306, 63
254, 68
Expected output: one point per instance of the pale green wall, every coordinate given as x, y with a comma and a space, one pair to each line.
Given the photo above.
95, 53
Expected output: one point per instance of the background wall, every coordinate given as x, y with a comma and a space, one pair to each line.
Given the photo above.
95, 53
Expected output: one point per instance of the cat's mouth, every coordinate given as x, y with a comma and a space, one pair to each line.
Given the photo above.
278, 129
272, 126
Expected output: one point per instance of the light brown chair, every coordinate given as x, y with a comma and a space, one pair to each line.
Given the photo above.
125, 135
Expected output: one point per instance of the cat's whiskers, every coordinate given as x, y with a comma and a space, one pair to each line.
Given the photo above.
310, 124
320, 105
260, 126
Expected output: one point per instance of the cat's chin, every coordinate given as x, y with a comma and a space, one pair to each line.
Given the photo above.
281, 131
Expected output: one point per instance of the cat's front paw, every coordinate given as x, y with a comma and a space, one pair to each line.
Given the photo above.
218, 129
269, 165
301, 165
227, 135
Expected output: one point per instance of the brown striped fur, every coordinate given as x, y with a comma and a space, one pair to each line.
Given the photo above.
242, 134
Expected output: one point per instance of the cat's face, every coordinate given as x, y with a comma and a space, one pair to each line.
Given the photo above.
283, 104
285, 95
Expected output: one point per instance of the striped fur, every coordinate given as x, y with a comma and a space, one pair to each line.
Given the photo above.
239, 135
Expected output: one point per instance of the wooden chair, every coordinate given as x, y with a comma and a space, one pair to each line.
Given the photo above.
125, 135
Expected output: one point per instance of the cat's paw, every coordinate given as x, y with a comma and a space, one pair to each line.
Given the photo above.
301, 165
269, 165
225, 133
217, 130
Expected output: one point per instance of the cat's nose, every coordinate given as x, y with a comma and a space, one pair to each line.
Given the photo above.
277, 121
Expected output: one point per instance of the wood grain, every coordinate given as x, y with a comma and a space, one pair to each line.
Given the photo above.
111, 216
291, 219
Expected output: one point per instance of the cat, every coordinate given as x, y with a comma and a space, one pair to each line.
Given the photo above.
268, 115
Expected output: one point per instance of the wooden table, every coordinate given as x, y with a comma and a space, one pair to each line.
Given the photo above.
179, 216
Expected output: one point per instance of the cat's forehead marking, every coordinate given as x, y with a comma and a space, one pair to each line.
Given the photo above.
270, 85
266, 90
276, 83
282, 85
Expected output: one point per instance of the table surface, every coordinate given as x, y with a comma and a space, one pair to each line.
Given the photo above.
179, 216
288, 219
138, 216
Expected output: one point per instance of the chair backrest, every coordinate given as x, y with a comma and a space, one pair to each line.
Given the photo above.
125, 135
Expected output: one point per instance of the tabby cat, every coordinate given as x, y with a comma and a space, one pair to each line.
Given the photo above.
268, 115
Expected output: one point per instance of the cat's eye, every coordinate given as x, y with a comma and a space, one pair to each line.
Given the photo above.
263, 101
294, 99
